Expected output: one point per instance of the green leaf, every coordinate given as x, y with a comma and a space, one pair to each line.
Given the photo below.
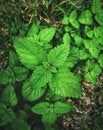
46, 35
72, 19
20, 124
65, 84
7, 76
9, 96
88, 31
30, 92
73, 57
67, 29
13, 60
62, 108
49, 119
40, 77
92, 46
98, 31
6, 115
29, 52
65, 20
99, 17
86, 17
33, 30
66, 39
20, 73
58, 55
100, 60
78, 40
41, 108
92, 71
84, 54
96, 6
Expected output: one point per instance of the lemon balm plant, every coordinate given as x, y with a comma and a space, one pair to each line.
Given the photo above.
48, 67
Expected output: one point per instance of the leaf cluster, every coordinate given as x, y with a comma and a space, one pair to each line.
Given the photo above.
48, 66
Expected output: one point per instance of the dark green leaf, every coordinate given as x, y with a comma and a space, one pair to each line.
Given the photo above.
6, 115
9, 96
20, 73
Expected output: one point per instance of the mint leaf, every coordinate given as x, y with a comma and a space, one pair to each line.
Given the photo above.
33, 30
100, 60
65, 20
47, 34
92, 71
31, 92
41, 108
98, 31
92, 46
40, 77
86, 17
20, 73
72, 19
6, 115
62, 108
73, 57
9, 96
30, 54
96, 6
78, 40
65, 84
99, 17
89, 32
58, 55
66, 39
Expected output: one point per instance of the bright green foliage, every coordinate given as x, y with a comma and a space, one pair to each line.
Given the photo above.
47, 34
92, 46
100, 60
99, 17
49, 112
73, 19
96, 6
49, 67
8, 96
89, 32
98, 31
40, 77
6, 115
73, 57
31, 92
58, 55
65, 20
29, 52
65, 84
92, 71
33, 30
78, 40
66, 39
86, 17
60, 107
